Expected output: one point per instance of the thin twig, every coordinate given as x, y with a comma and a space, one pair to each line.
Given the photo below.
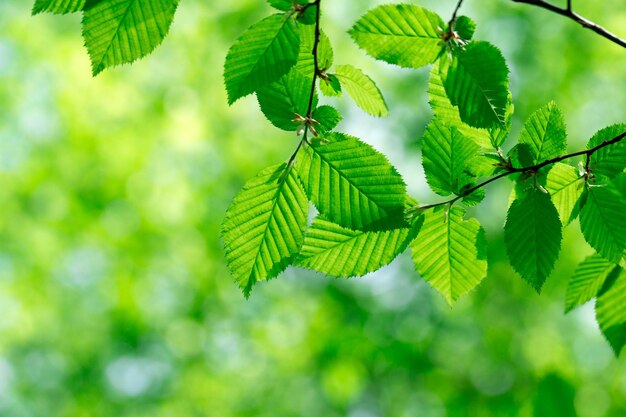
530, 169
316, 72
571, 14
454, 15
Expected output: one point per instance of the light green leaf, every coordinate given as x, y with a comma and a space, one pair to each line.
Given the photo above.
476, 80
58, 6
565, 187
611, 313
544, 133
362, 90
450, 253
285, 5
603, 221
324, 52
532, 235
610, 160
264, 226
340, 252
121, 31
447, 157
306, 63
263, 54
330, 86
401, 34
352, 184
587, 281
281, 100
328, 118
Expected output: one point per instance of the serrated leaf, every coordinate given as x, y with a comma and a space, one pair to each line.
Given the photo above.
352, 184
58, 6
450, 253
587, 280
611, 313
448, 113
447, 156
401, 34
328, 118
603, 221
565, 187
476, 80
362, 90
544, 133
264, 226
121, 31
263, 54
284, 5
464, 27
610, 160
324, 52
340, 252
281, 100
330, 86
532, 235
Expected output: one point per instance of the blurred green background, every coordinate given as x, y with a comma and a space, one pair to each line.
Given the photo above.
114, 295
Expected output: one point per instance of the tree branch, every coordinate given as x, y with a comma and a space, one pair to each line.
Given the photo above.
316, 71
454, 15
531, 169
571, 14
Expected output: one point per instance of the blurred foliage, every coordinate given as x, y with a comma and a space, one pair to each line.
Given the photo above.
114, 296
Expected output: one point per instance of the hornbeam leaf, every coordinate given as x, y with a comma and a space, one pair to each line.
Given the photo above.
340, 252
450, 253
264, 226
284, 5
447, 157
281, 100
328, 118
603, 221
532, 235
58, 6
587, 281
464, 28
362, 90
565, 187
476, 80
401, 34
352, 184
263, 54
544, 133
121, 31
610, 160
330, 86
611, 313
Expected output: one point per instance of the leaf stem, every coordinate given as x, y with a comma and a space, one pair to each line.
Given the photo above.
571, 14
531, 169
316, 73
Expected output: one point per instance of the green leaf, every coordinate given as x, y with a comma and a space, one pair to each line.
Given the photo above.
464, 27
330, 86
587, 281
324, 52
362, 90
340, 252
285, 5
264, 226
544, 133
611, 313
476, 80
447, 156
532, 235
565, 187
281, 100
328, 118
610, 160
401, 34
58, 6
121, 31
352, 184
450, 253
603, 221
263, 54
